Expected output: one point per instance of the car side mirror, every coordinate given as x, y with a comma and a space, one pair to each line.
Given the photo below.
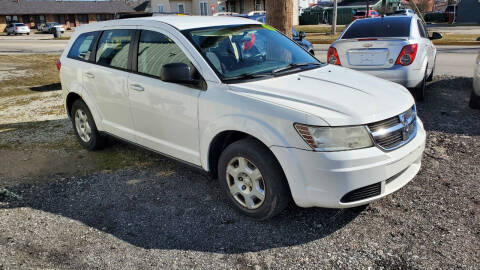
302, 34
436, 35
178, 73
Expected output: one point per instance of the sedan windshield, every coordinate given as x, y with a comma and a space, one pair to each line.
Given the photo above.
239, 52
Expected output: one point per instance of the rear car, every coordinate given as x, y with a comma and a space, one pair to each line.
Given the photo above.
51, 27
17, 29
475, 96
363, 14
404, 12
395, 48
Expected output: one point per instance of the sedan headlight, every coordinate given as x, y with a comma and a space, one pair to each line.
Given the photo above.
329, 139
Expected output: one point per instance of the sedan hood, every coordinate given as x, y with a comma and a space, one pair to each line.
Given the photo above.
337, 95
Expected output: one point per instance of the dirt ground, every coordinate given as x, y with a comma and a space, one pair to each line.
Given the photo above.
62, 207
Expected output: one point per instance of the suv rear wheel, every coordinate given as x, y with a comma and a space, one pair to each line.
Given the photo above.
253, 180
85, 128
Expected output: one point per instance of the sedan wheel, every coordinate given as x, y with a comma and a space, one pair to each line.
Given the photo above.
245, 182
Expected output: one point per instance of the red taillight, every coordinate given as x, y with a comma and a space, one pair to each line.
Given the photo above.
16, 28
332, 56
366, 39
59, 65
407, 55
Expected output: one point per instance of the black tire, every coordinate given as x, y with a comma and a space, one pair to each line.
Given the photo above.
276, 191
96, 140
474, 101
419, 91
430, 77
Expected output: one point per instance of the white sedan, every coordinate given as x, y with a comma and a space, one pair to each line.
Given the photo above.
475, 97
17, 29
395, 48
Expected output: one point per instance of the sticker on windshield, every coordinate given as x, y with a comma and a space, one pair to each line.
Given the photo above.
268, 27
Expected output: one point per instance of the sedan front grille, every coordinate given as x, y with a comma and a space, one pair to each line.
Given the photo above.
396, 131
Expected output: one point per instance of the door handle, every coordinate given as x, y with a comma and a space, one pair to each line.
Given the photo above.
136, 87
89, 75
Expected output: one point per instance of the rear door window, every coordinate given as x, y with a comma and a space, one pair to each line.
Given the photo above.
421, 29
382, 27
83, 46
113, 48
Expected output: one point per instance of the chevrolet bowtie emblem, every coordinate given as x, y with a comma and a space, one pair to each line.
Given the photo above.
367, 45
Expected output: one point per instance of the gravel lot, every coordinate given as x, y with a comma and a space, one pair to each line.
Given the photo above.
124, 208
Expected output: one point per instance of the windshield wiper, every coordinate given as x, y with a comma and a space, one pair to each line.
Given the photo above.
248, 76
294, 66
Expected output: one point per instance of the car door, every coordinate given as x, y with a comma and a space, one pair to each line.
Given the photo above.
165, 114
106, 81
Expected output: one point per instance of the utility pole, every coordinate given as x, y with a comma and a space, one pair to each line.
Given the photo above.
334, 18
280, 15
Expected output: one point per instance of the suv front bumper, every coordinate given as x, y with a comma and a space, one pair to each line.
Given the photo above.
321, 179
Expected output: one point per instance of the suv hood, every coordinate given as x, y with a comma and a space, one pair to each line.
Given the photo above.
339, 96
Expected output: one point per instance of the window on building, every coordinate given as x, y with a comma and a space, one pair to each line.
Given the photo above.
41, 19
181, 8
113, 48
156, 50
83, 46
160, 8
82, 18
101, 17
59, 18
258, 5
11, 19
203, 9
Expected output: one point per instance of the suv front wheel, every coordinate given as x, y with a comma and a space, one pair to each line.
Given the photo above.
253, 180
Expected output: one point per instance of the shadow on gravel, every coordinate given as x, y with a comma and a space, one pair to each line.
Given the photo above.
48, 87
444, 111
182, 211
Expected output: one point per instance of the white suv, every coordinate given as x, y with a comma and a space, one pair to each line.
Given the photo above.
248, 105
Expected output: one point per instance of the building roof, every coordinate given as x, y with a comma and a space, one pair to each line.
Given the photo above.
190, 22
12, 7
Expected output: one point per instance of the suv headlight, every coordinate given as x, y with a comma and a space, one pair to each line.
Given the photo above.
329, 139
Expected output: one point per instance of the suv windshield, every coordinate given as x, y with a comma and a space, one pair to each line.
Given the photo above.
379, 27
239, 52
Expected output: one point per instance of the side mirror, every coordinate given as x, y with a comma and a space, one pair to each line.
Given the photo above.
178, 73
436, 35
302, 34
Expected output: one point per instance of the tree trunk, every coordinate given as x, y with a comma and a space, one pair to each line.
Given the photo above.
280, 15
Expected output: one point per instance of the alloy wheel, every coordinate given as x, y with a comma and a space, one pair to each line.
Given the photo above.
245, 182
83, 127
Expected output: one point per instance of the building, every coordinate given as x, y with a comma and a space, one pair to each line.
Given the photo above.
68, 13
188, 7
468, 11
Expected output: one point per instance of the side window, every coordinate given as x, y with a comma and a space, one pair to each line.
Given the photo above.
421, 29
155, 50
83, 46
113, 48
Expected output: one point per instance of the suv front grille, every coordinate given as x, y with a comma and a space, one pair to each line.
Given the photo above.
394, 132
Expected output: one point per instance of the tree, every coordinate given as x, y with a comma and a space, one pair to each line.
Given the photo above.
280, 15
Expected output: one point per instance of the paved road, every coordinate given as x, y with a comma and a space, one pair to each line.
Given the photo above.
451, 60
